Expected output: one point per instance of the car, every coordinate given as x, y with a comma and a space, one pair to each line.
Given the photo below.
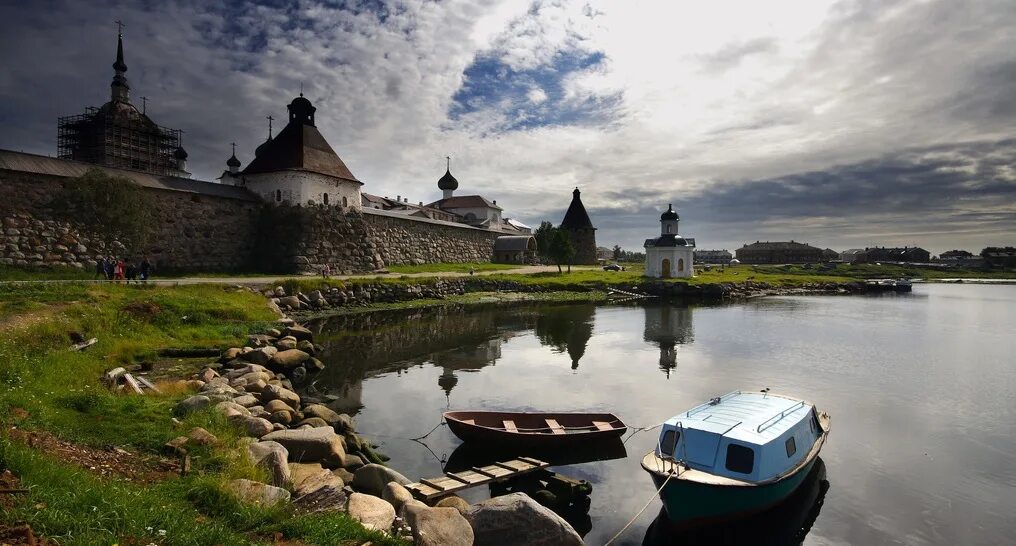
612, 267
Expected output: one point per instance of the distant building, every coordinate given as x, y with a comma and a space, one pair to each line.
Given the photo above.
474, 210
713, 256
580, 230
830, 255
604, 254
911, 254
955, 255
782, 252
669, 255
852, 255
515, 249
519, 226
120, 136
996, 256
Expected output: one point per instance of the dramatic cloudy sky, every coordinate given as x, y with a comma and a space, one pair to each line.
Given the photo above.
838, 123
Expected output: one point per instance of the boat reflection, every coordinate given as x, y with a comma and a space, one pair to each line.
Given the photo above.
787, 523
468, 455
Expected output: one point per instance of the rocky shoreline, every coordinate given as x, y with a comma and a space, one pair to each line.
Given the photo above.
316, 461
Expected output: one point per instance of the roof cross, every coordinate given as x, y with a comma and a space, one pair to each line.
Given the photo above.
119, 26
144, 104
234, 147
270, 118
448, 166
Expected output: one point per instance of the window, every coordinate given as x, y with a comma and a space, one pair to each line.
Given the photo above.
669, 442
668, 228
345, 203
680, 264
791, 446
740, 459
278, 195
325, 198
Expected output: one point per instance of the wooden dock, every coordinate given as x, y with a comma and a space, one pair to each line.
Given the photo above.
430, 488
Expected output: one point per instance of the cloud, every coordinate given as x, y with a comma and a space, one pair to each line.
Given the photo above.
797, 109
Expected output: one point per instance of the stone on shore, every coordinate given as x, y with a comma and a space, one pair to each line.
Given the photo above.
277, 392
299, 332
261, 356
246, 400
257, 493
456, 502
308, 477
201, 437
396, 495
323, 499
231, 354
315, 422
322, 412
373, 478
310, 445
289, 359
518, 520
438, 526
274, 457
192, 404
372, 512
231, 409
252, 426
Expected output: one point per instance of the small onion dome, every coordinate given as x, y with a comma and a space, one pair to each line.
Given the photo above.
301, 110
261, 147
448, 182
232, 161
180, 153
669, 215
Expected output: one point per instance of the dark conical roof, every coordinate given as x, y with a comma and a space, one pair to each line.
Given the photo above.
261, 147
448, 182
299, 146
576, 217
669, 215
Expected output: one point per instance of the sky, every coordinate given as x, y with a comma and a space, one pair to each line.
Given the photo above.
842, 124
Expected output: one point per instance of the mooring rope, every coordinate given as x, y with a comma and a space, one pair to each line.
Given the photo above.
636, 430
650, 501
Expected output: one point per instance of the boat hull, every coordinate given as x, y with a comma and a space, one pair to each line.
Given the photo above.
689, 503
532, 431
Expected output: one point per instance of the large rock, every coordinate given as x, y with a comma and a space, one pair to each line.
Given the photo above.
323, 499
252, 426
192, 404
518, 520
396, 495
372, 512
315, 422
454, 501
246, 400
322, 412
292, 302
310, 445
201, 437
310, 477
277, 392
257, 493
299, 332
438, 526
261, 356
278, 405
285, 344
289, 359
230, 409
274, 457
373, 478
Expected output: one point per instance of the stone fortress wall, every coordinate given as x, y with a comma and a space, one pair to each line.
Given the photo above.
201, 232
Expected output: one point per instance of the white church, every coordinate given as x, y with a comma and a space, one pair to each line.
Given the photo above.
669, 255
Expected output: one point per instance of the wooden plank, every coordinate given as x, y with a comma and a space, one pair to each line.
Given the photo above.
516, 466
84, 344
132, 383
510, 426
602, 425
485, 471
531, 460
469, 477
444, 484
148, 384
555, 427
497, 471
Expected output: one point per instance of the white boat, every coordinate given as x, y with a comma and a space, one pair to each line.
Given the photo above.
735, 454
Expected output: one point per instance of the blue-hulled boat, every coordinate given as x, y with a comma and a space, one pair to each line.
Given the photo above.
734, 455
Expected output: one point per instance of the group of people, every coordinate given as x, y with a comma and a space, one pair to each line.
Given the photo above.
123, 270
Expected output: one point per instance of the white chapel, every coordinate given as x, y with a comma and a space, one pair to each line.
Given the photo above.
669, 255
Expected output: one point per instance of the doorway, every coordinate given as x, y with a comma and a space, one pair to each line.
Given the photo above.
665, 266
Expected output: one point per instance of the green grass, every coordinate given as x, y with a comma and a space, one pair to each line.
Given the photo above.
19, 273
451, 267
61, 392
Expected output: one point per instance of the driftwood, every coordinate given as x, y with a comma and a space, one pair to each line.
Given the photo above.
118, 379
148, 384
129, 380
84, 344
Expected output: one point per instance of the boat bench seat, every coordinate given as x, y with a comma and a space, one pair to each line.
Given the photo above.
469, 421
555, 427
602, 425
510, 426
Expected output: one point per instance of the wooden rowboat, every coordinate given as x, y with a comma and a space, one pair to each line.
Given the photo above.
534, 429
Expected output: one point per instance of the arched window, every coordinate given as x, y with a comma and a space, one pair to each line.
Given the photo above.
345, 202
668, 228
470, 217
680, 264
278, 195
326, 198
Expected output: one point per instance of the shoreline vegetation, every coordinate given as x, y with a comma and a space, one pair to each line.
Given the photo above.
88, 464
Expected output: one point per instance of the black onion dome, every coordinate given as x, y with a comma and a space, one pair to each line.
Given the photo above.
448, 182
232, 161
180, 153
301, 110
261, 147
669, 215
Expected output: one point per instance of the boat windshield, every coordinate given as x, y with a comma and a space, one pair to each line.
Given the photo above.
669, 441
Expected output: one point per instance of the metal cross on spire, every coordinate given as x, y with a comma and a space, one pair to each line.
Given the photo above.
270, 118
448, 166
119, 27
234, 147
144, 105
301, 89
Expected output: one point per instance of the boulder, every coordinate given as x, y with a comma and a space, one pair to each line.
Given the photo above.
309, 477
311, 445
299, 332
262, 355
231, 354
289, 359
353, 462
321, 412
438, 526
518, 520
201, 437
323, 499
231, 409
373, 478
396, 495
314, 365
292, 302
192, 404
278, 405
252, 426
306, 346
257, 493
454, 501
255, 387
283, 418
272, 456
176, 447
207, 375
285, 344
347, 476
276, 392
315, 422
246, 400
344, 424
373, 512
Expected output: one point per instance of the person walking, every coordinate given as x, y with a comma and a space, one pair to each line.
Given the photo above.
108, 267
118, 271
145, 268
100, 268
131, 272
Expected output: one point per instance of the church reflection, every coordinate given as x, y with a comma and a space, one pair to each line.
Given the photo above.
668, 326
466, 359
566, 329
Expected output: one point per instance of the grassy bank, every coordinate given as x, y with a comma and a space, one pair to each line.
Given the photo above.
81, 490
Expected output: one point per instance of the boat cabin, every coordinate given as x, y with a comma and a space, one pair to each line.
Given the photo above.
746, 436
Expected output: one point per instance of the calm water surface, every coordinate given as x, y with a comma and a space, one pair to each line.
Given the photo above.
921, 388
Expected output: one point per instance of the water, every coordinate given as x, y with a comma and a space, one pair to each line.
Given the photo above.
920, 388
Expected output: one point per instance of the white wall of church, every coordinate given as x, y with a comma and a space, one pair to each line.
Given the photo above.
680, 260
480, 213
303, 188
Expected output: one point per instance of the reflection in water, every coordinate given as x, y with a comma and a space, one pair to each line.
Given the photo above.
668, 326
468, 455
567, 328
787, 523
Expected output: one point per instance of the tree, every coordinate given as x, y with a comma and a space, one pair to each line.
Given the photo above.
617, 253
544, 235
561, 249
